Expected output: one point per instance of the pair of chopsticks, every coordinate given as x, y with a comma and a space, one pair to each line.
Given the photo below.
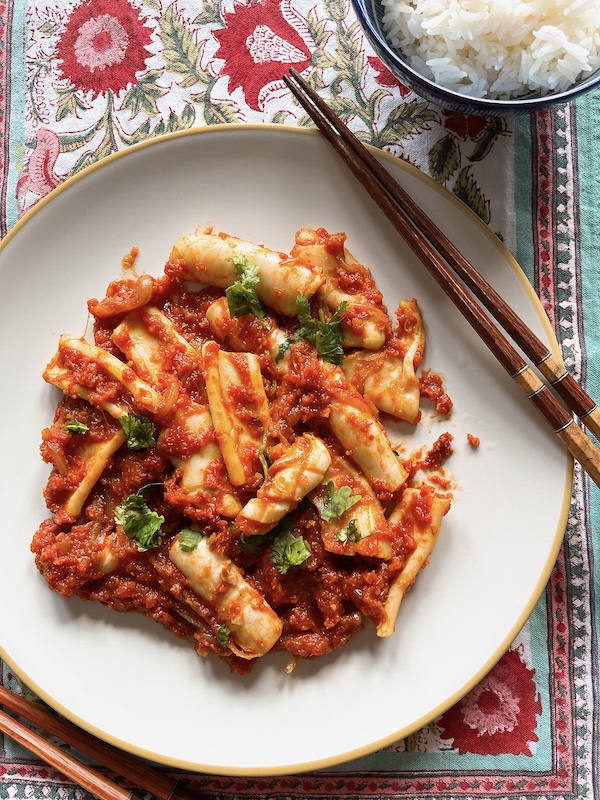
134, 771
455, 275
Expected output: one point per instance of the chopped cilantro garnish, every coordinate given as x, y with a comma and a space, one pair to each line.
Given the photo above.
140, 432
76, 428
335, 503
326, 337
241, 296
139, 522
350, 533
189, 539
282, 350
223, 635
288, 551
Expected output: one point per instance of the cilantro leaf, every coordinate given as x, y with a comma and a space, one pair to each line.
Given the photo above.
139, 522
241, 296
223, 635
326, 337
140, 432
350, 533
282, 350
288, 551
335, 503
189, 539
76, 428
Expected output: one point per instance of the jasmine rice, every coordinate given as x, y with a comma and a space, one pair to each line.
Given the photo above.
497, 48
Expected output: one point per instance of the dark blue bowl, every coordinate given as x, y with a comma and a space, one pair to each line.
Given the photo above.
370, 14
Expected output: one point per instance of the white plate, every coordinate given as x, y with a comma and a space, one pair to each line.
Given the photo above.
123, 677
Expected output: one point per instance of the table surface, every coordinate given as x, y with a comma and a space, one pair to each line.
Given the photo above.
79, 80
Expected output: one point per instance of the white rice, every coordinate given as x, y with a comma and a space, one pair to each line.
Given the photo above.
497, 48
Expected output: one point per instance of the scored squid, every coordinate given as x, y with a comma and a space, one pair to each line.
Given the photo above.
363, 528
252, 624
239, 409
359, 432
79, 460
388, 377
366, 323
291, 477
419, 513
152, 343
211, 258
352, 422
62, 374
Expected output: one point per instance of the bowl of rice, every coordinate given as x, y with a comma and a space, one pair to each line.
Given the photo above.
492, 57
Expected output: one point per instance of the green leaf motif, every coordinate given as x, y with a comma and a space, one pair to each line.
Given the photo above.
210, 14
321, 59
444, 158
336, 9
142, 97
318, 29
344, 108
220, 113
69, 142
467, 190
406, 120
181, 52
68, 103
495, 128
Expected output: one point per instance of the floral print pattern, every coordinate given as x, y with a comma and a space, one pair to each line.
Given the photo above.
103, 47
106, 74
258, 45
498, 716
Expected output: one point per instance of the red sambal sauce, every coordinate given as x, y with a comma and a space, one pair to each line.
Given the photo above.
431, 386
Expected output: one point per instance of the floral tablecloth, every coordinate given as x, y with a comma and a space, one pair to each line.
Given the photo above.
80, 79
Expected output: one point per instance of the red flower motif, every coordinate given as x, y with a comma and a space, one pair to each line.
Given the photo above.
499, 715
259, 46
103, 47
384, 77
467, 126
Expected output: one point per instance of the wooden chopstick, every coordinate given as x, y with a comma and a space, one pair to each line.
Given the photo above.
135, 771
433, 254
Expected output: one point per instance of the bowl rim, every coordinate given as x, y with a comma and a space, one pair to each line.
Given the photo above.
451, 96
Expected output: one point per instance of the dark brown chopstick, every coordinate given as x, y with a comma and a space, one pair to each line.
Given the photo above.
135, 771
439, 256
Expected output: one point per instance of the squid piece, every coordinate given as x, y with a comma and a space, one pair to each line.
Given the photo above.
61, 376
144, 396
359, 432
388, 378
210, 258
291, 477
366, 324
239, 409
152, 343
199, 461
79, 460
253, 625
362, 529
96, 456
238, 333
149, 339
420, 513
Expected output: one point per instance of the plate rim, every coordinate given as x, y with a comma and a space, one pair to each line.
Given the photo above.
407, 730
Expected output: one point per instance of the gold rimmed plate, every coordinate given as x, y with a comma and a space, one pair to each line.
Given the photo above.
124, 678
